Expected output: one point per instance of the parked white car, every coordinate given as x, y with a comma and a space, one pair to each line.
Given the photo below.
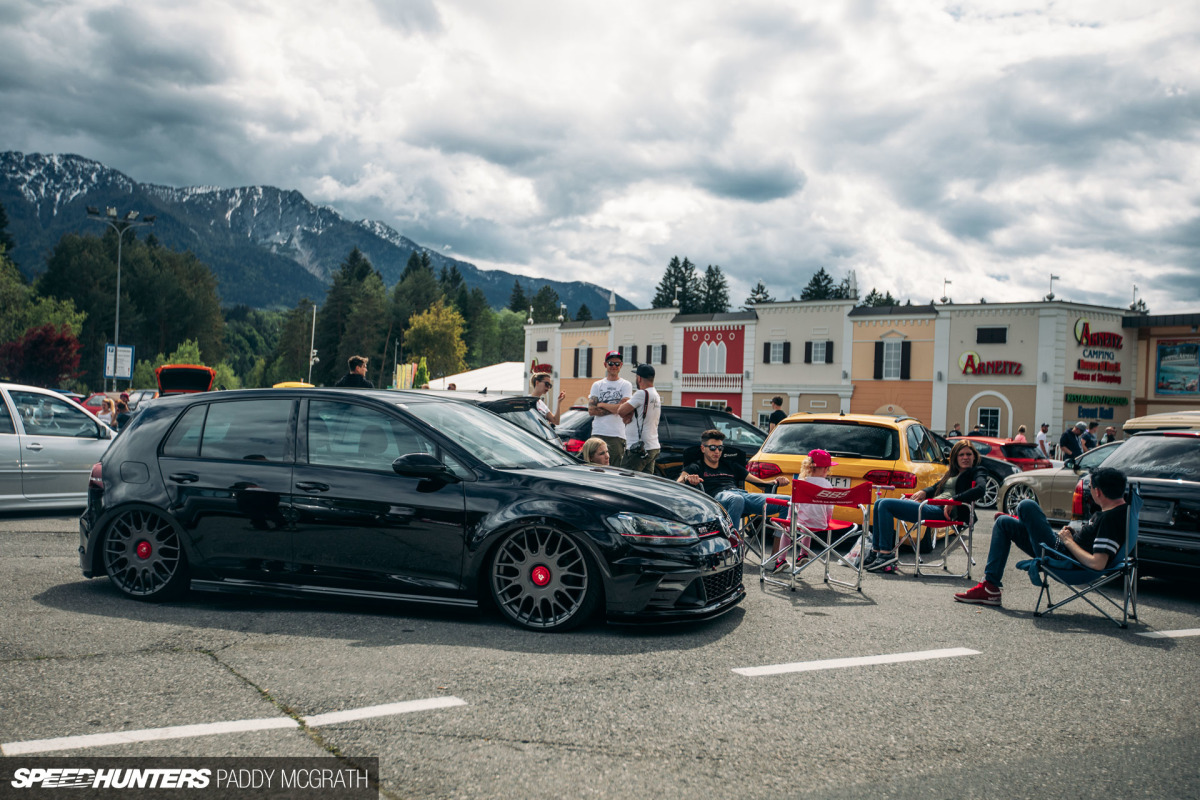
48, 445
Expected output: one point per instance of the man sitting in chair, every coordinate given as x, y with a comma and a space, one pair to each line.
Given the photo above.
722, 480
1095, 544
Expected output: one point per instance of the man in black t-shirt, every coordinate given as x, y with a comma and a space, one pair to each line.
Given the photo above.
1094, 545
777, 415
356, 378
722, 480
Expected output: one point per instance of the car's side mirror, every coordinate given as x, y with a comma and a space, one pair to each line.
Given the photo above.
946, 452
1069, 463
423, 465
103, 432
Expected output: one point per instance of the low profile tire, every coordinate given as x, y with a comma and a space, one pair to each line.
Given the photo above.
991, 491
542, 580
1015, 495
144, 557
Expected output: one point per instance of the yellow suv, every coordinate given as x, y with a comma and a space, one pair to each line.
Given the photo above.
883, 450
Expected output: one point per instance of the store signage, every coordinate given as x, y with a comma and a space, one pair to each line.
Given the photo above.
1098, 362
1099, 399
971, 364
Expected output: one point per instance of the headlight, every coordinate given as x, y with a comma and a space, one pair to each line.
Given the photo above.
652, 530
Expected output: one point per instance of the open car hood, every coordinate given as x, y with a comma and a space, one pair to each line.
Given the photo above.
184, 378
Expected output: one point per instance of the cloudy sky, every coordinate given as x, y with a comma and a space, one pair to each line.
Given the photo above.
991, 143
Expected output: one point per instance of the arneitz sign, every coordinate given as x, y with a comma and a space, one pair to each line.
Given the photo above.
971, 364
1089, 338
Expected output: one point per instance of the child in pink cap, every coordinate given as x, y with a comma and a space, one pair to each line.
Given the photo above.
814, 469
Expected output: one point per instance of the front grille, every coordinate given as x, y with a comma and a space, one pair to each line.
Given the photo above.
710, 528
720, 584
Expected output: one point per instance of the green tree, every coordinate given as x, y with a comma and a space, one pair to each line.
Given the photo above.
436, 334
820, 287
421, 374
366, 324
759, 294
517, 301
289, 358
681, 274
22, 309
250, 335
6, 241
414, 294
343, 292
714, 292
545, 305
583, 313
875, 299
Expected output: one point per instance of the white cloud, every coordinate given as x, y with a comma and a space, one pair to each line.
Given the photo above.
991, 141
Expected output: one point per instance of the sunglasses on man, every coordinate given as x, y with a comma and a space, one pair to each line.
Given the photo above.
715, 447
612, 363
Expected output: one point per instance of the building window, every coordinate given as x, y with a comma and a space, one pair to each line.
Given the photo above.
583, 361
628, 353
543, 345
891, 359
991, 336
656, 353
818, 353
818, 403
711, 405
712, 358
764, 420
777, 352
989, 421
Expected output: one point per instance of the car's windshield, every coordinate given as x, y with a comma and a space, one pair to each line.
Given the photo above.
846, 439
1094, 458
1169, 457
493, 441
1022, 451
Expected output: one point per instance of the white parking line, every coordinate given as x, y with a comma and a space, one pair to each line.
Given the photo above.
838, 663
213, 728
1179, 634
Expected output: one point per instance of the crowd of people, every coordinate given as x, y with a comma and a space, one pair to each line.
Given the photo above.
1076, 440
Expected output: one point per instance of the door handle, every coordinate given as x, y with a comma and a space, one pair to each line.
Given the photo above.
184, 477
309, 486
37, 448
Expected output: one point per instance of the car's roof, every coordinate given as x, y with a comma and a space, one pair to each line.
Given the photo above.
988, 439
862, 419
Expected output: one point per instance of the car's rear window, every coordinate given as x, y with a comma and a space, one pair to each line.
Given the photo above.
1169, 457
572, 417
1021, 451
846, 439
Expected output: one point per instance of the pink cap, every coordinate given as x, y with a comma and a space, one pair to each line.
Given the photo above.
821, 458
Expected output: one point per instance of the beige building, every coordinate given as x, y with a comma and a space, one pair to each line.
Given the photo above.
801, 355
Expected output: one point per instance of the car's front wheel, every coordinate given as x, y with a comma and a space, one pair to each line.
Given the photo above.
991, 491
144, 557
541, 579
1016, 494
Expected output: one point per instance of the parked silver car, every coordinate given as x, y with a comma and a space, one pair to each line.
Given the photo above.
1051, 488
48, 445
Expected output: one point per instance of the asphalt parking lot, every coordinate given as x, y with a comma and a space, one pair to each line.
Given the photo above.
894, 692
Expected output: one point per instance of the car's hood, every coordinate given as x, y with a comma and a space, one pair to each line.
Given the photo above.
630, 491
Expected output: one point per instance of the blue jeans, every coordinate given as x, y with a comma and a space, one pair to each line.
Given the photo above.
739, 503
1029, 531
887, 511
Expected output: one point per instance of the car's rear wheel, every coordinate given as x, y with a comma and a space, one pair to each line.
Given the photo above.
991, 491
144, 557
1017, 493
541, 579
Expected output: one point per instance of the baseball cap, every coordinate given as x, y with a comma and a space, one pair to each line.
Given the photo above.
1045, 424
1081, 425
821, 458
644, 371
614, 354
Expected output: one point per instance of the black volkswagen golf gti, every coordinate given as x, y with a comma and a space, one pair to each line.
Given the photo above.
395, 495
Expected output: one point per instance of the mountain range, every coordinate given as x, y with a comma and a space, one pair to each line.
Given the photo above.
268, 247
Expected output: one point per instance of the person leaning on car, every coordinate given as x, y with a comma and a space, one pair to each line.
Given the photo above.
722, 480
356, 378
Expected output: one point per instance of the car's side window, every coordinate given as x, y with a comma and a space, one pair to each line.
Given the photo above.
43, 415
247, 430
349, 435
739, 433
685, 426
921, 446
6, 420
184, 439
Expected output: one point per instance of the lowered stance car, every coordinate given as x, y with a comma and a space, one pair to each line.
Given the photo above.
679, 429
520, 410
395, 495
1052, 488
1165, 466
48, 444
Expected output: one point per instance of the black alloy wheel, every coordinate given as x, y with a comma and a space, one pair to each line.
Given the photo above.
541, 579
143, 556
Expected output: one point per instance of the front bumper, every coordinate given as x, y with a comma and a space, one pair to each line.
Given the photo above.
662, 584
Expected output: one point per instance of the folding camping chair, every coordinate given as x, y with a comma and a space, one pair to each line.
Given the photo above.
1081, 581
821, 547
959, 536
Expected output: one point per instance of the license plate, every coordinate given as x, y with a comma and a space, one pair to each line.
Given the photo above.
839, 482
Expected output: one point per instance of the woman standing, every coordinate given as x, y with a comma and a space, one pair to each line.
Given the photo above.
542, 384
108, 412
1020, 437
964, 482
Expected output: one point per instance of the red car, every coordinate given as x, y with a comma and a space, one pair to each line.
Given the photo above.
1024, 454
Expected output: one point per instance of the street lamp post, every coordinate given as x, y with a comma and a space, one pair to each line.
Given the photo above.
312, 340
120, 225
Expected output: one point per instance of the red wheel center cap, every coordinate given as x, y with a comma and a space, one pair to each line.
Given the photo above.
143, 549
540, 576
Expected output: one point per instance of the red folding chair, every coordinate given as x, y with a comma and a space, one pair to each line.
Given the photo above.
822, 545
958, 536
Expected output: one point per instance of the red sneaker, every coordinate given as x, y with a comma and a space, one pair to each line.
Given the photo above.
984, 594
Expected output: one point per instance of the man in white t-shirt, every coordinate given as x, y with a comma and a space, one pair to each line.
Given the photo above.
1042, 445
604, 400
641, 413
